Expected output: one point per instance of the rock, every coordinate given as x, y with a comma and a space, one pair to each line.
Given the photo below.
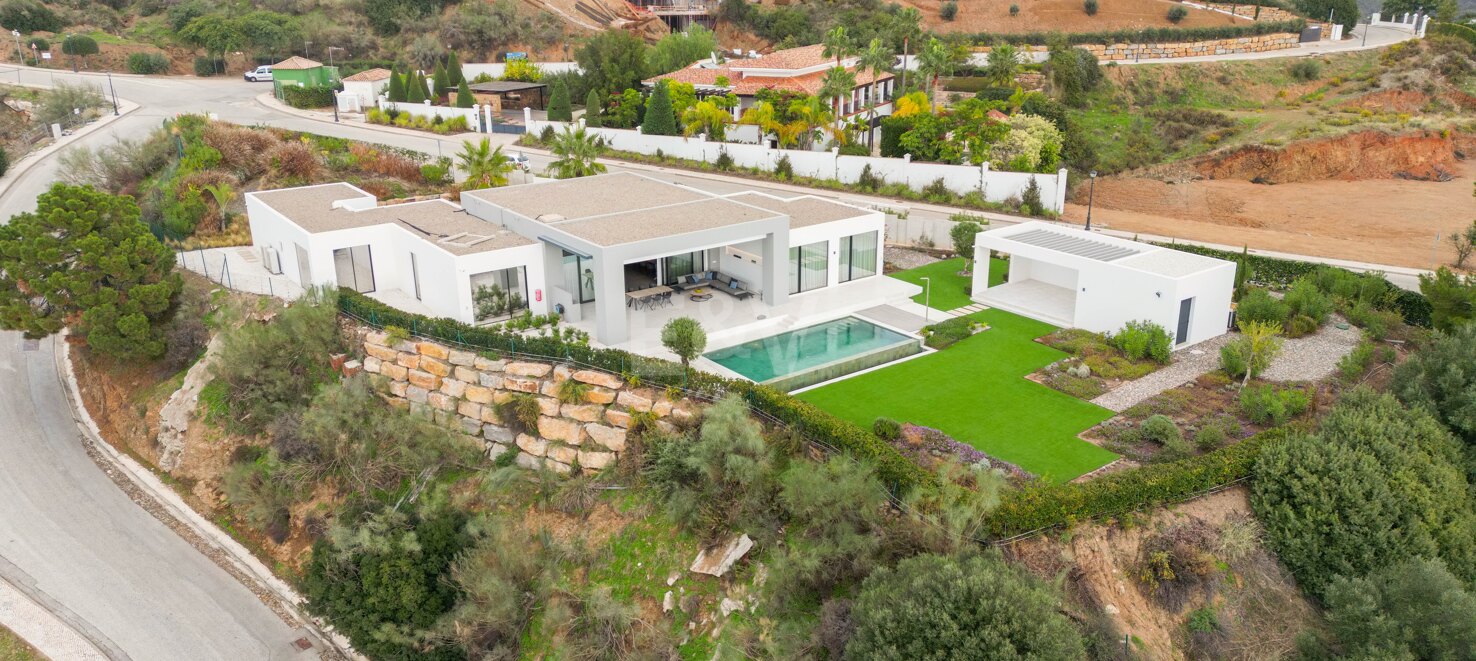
478, 394
466, 374
548, 406
490, 414
377, 337
561, 469
470, 410
498, 434
729, 606
520, 385
549, 389
489, 380
453, 387
352, 367
595, 460
425, 380
381, 352
558, 429
633, 401
719, 560
618, 418
416, 394
471, 426
458, 357
537, 370
436, 367
661, 408
671, 578
668, 602
394, 371
398, 388
371, 364
488, 365
562, 454
441, 401
561, 373
609, 437
433, 350
598, 395
407, 360
495, 450
582, 412
600, 379
529, 462
532, 445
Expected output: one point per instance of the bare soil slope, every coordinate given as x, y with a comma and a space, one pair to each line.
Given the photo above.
1064, 16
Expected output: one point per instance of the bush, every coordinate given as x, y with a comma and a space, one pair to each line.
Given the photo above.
316, 96
1269, 405
270, 369
723, 478
1377, 485
1014, 10
1306, 70
4, 161
1030, 201
1144, 36
208, 66
148, 63
1090, 6
945, 333
836, 525
724, 161
1439, 379
29, 16
1411, 610
1177, 13
1209, 437
887, 428
948, 11
1258, 305
79, 45
937, 607
1140, 340
1306, 299
783, 169
1161, 430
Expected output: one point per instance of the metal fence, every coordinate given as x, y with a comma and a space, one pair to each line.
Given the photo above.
230, 268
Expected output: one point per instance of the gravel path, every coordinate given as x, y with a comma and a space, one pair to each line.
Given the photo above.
1314, 356
905, 259
1188, 365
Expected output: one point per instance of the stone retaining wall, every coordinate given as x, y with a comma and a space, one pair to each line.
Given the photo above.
462, 387
1267, 42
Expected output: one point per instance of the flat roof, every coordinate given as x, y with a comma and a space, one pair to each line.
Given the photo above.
499, 86
1172, 263
439, 222
1113, 250
803, 211
1071, 244
604, 194
656, 222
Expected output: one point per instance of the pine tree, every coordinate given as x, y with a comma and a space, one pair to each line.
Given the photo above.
464, 97
592, 108
396, 87
415, 88
442, 81
453, 69
558, 104
660, 119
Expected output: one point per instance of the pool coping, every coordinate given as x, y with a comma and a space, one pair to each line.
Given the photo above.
913, 337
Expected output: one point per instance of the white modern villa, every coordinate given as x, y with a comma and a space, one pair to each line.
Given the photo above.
1074, 278
617, 254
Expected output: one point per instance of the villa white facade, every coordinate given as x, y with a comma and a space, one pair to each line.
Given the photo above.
1073, 278
618, 254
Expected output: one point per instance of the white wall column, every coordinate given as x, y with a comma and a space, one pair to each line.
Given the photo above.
776, 269
611, 325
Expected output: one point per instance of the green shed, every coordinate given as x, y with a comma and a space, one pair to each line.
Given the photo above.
303, 72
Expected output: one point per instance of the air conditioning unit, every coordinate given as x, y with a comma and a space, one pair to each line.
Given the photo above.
272, 260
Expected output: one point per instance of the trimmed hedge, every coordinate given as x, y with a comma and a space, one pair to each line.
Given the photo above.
1454, 30
316, 96
900, 473
1044, 506
148, 63
1145, 36
1277, 272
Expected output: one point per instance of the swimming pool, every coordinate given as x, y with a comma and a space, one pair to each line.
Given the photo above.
807, 356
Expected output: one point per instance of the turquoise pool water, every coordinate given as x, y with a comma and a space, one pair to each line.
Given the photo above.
794, 352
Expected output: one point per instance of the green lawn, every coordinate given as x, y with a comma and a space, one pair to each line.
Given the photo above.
950, 290
976, 392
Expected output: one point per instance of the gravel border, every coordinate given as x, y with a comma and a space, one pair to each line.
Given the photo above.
1189, 364
1314, 357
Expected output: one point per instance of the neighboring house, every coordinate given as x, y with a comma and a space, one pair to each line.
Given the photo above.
510, 95
799, 70
363, 88
1078, 279
614, 253
302, 72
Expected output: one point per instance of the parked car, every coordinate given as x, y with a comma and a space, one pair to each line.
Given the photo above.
520, 161
260, 74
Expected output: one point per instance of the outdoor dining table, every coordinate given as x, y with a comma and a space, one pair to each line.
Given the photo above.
649, 292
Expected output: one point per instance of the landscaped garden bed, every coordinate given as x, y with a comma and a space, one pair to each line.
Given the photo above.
1098, 363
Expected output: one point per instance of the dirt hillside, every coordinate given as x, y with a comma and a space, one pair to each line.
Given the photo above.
1063, 16
1425, 156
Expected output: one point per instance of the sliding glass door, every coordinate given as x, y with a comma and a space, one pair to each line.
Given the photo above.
857, 256
354, 268
579, 277
809, 267
498, 294
676, 266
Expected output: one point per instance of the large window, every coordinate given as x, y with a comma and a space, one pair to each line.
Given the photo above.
676, 266
857, 256
499, 294
579, 277
354, 268
808, 266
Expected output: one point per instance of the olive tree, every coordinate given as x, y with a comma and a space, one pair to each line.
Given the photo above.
684, 337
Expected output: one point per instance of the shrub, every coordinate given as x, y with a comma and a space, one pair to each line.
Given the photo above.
1209, 437
559, 108
316, 96
868, 180
938, 607
948, 11
208, 66
1177, 13
4, 161
937, 191
887, 428
29, 16
1269, 405
946, 333
721, 479
836, 512
520, 413
724, 161
1140, 340
1258, 305
1161, 430
1014, 10
1090, 6
684, 337
783, 169
148, 63
1305, 298
1378, 484
1415, 609
79, 45
1306, 70
1030, 201
1439, 379
270, 369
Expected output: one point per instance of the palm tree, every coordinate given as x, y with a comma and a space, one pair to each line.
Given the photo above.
812, 113
935, 61
576, 150
707, 117
876, 59
484, 166
911, 103
908, 26
223, 194
837, 83
1004, 63
838, 44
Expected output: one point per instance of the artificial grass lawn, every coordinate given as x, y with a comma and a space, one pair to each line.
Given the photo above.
950, 290
976, 392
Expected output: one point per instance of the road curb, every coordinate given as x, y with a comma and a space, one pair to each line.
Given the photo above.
21, 167
242, 563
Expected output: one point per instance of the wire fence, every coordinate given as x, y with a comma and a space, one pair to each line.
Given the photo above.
237, 269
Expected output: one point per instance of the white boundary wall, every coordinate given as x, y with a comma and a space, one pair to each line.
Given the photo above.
1416, 23
961, 179
472, 114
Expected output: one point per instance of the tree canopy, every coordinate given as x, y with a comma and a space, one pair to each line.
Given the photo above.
84, 259
613, 61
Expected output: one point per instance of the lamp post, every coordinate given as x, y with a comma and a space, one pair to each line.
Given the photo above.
20, 57
114, 92
927, 297
1366, 28
335, 106
1091, 197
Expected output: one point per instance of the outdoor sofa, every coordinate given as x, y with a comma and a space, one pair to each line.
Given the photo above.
714, 280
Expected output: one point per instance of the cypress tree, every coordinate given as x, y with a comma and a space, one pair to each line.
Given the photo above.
453, 69
660, 118
397, 87
415, 88
442, 81
464, 97
592, 108
558, 104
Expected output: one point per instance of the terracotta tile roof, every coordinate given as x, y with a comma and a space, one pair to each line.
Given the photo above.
696, 76
750, 85
789, 58
370, 75
296, 62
